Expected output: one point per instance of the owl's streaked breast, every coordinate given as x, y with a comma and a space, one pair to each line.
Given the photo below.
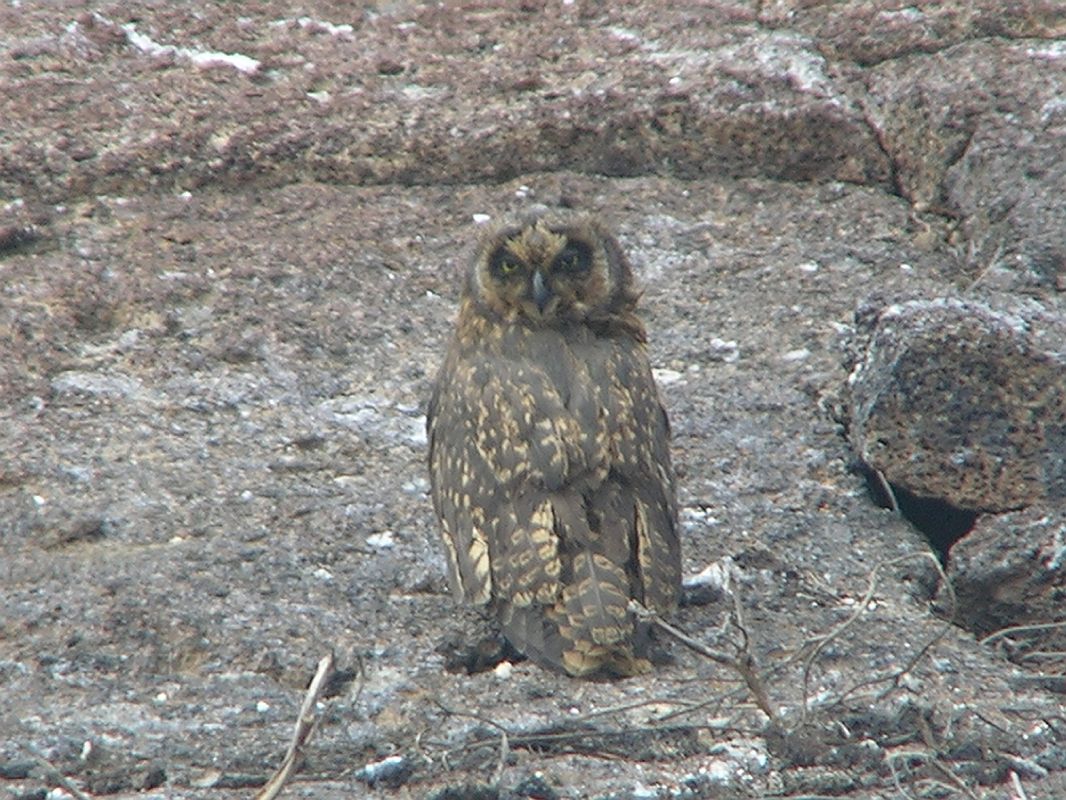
549, 450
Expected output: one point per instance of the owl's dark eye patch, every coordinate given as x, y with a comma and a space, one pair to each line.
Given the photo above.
548, 334
503, 263
575, 259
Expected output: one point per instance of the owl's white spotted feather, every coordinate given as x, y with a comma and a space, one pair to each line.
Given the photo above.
549, 450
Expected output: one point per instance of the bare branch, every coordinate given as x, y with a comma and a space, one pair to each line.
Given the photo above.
505, 743
744, 665
861, 608
1021, 629
59, 777
1016, 784
305, 726
886, 487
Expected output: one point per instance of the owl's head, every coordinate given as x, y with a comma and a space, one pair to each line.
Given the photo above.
552, 268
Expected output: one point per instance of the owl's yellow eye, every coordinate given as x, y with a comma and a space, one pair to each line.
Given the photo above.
549, 452
504, 264
576, 258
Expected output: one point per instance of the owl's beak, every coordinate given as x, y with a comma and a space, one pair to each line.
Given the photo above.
542, 295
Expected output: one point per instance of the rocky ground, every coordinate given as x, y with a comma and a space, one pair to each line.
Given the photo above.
229, 259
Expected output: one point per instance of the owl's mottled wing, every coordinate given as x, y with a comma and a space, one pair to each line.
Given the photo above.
614, 510
499, 443
551, 476
636, 502
465, 491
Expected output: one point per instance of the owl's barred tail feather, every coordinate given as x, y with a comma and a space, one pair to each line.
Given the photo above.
549, 449
588, 632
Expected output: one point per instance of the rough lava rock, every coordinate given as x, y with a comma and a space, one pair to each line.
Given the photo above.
961, 401
959, 408
1009, 574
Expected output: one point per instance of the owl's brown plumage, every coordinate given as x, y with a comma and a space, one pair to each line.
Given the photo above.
549, 449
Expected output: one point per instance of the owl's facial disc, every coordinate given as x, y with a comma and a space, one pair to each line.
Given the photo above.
541, 273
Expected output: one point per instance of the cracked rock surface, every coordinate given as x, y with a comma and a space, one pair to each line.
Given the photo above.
230, 244
964, 401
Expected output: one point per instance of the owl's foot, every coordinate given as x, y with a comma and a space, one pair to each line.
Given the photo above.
463, 656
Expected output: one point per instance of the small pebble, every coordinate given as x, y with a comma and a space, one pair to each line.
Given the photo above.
391, 771
665, 377
416, 486
717, 574
722, 350
381, 540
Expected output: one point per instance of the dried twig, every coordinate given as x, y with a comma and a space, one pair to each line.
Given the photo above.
1016, 784
501, 762
646, 614
993, 262
305, 726
950, 774
891, 761
930, 759
651, 701
556, 738
934, 746
860, 609
1043, 626
886, 487
744, 665
505, 745
67, 784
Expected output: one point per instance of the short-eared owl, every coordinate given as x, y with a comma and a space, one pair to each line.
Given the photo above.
549, 449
